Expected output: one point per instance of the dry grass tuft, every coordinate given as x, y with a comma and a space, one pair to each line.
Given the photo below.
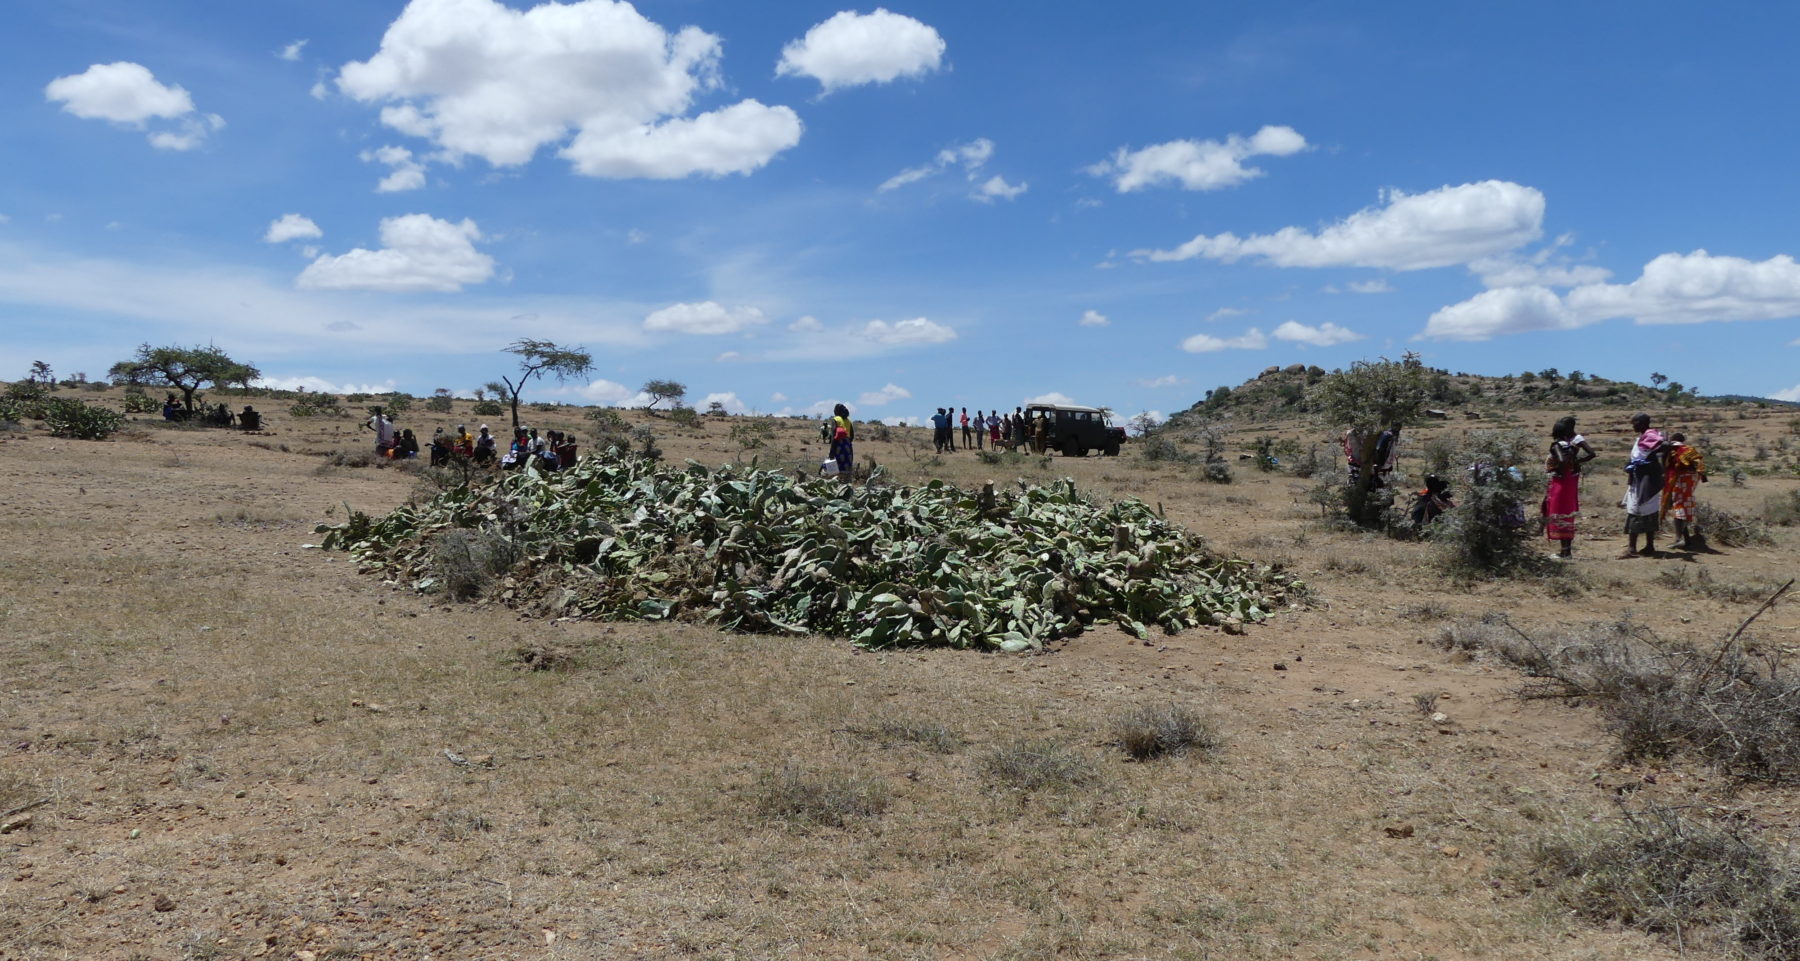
827, 799
1169, 730
894, 730
543, 657
1035, 766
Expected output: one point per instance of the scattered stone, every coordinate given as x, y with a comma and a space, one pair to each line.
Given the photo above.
19, 823
162, 903
1450, 851
1440, 718
1399, 831
1281, 665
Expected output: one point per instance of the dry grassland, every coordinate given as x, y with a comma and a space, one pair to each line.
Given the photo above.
245, 749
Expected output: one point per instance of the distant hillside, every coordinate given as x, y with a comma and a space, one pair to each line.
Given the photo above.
1282, 392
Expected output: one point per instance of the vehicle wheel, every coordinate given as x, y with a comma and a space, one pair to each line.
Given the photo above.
1069, 449
1112, 448
1081, 451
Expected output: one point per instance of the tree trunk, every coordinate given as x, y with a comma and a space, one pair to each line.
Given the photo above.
1365, 510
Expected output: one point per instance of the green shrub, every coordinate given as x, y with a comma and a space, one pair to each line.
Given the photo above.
487, 408
1489, 531
440, 401
81, 420
685, 417
139, 403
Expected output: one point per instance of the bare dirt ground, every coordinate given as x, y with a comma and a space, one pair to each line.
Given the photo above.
245, 749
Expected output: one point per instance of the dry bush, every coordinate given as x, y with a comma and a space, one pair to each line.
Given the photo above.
1168, 730
465, 562
926, 735
1728, 529
1782, 511
830, 799
1660, 871
1036, 765
1699, 580
1730, 708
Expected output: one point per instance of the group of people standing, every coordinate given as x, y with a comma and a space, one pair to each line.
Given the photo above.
995, 428
1662, 474
553, 451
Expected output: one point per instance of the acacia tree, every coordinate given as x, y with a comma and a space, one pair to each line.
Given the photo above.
537, 358
186, 369
1365, 399
661, 390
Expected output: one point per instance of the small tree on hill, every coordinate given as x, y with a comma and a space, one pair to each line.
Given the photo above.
664, 390
537, 358
440, 401
186, 369
41, 374
1658, 379
1366, 399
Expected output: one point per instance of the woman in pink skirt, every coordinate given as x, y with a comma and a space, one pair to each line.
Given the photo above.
1562, 498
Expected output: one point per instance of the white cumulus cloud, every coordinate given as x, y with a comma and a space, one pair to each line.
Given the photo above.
728, 400
292, 51
851, 49
1094, 318
971, 157
996, 188
886, 395
418, 253
1197, 164
129, 95
1325, 335
320, 385
291, 227
1536, 271
705, 317
612, 394
1376, 286
1167, 380
477, 77
1438, 228
1672, 289
406, 172
1792, 394
806, 325
1054, 397
907, 333
1251, 339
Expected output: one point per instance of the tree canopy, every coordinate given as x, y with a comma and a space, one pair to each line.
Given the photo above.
186, 369
538, 358
1368, 397
661, 390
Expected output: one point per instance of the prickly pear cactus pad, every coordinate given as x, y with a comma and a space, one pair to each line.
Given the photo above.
761, 551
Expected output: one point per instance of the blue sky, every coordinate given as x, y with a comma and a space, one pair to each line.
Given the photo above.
787, 205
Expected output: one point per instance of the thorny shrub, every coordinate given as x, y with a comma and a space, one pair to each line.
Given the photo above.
1658, 870
1730, 708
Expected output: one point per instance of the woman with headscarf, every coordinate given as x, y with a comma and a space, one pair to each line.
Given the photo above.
843, 436
1562, 498
1687, 470
1644, 488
